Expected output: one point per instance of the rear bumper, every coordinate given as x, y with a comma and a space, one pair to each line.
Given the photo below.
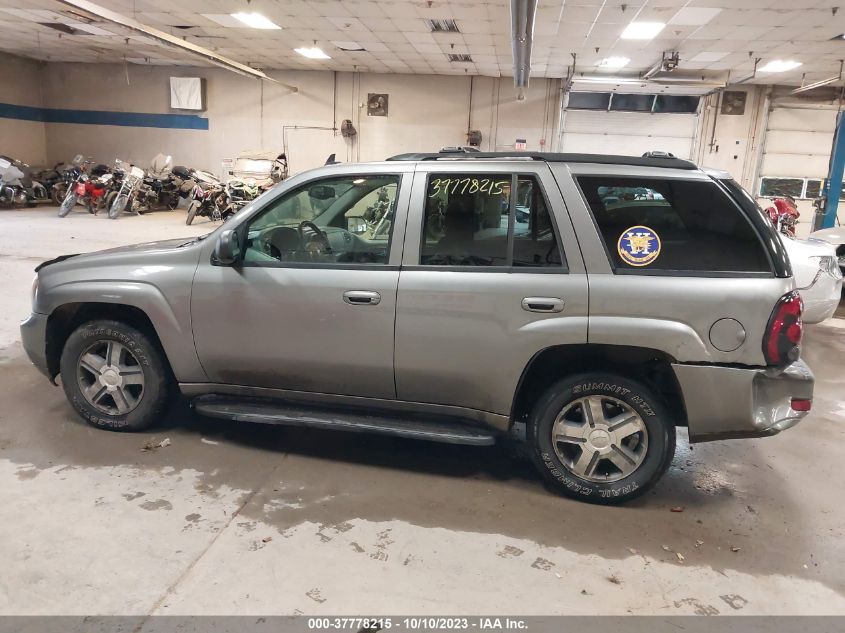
730, 402
34, 338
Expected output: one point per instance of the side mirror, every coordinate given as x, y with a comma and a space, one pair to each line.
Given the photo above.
228, 248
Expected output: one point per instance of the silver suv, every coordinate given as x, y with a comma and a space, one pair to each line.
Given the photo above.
586, 305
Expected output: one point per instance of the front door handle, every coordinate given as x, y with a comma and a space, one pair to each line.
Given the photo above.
542, 304
361, 297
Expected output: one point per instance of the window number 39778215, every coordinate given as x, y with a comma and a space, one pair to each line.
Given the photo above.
466, 185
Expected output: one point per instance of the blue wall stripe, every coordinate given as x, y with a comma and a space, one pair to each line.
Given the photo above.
103, 117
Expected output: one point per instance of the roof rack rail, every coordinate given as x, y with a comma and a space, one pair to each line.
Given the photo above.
650, 159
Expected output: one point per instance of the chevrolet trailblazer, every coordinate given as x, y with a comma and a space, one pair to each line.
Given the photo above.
587, 305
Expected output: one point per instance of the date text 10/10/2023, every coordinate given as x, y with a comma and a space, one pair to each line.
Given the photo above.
417, 623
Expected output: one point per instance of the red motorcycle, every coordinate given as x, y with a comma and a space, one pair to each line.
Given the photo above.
784, 215
88, 189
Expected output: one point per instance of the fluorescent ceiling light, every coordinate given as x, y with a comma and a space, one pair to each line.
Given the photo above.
694, 16
255, 21
312, 53
642, 30
614, 62
779, 66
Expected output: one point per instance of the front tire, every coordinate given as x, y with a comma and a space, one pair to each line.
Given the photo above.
117, 206
601, 438
114, 376
67, 204
192, 212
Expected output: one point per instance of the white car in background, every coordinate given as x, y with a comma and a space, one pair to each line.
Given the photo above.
817, 276
835, 236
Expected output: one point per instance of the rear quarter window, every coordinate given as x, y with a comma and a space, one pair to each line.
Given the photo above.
672, 226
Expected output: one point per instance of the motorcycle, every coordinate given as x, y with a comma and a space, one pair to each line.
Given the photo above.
208, 199
88, 189
35, 191
12, 193
253, 173
50, 177
67, 176
784, 215
131, 180
160, 189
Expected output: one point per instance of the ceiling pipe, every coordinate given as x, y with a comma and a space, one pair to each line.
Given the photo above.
747, 78
819, 84
523, 14
635, 81
170, 40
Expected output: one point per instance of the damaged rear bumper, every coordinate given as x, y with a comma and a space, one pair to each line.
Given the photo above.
731, 402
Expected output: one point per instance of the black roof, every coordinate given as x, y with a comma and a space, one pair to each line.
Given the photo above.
555, 157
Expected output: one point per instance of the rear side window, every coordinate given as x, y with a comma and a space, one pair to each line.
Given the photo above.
672, 226
478, 220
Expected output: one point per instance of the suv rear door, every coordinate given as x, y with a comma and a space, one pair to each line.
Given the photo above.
488, 280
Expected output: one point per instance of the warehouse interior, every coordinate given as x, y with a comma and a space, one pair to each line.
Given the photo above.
202, 517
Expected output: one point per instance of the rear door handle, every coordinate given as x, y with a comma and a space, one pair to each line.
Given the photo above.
361, 297
542, 304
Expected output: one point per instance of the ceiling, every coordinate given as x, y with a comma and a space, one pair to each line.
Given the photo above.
712, 36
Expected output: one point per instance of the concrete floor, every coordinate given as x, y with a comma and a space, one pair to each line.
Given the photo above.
248, 519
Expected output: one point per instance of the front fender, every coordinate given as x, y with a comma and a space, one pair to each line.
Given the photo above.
173, 326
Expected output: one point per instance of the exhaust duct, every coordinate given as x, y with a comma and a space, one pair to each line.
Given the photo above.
523, 14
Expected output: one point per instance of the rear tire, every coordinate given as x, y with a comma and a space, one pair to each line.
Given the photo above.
67, 204
59, 194
114, 376
610, 453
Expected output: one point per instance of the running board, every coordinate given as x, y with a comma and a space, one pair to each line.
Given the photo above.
288, 414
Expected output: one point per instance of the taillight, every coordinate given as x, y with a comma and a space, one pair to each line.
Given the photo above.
782, 341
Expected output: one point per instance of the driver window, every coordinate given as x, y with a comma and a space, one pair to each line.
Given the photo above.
347, 219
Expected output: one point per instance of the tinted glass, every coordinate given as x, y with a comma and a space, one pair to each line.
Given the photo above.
672, 226
466, 220
589, 100
534, 240
782, 187
814, 189
676, 103
347, 220
631, 103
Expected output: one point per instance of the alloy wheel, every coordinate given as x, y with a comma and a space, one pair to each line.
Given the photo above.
599, 438
110, 377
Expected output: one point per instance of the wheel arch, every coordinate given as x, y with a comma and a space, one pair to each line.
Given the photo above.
141, 305
650, 366
65, 318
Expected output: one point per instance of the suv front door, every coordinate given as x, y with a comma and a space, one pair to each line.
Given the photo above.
491, 275
311, 305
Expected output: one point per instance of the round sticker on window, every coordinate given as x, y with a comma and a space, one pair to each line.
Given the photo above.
638, 246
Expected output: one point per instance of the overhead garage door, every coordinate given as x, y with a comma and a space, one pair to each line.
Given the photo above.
798, 142
628, 133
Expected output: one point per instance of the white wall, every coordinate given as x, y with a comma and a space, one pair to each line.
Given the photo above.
425, 113
20, 84
732, 142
